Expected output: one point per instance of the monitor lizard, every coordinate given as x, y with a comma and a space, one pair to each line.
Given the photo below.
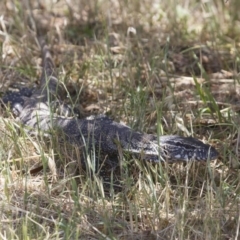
34, 109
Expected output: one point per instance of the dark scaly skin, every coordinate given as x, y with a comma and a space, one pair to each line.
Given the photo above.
100, 132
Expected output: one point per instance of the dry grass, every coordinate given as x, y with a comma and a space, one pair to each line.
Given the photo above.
166, 68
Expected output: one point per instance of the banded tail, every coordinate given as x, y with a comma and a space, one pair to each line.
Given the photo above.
49, 82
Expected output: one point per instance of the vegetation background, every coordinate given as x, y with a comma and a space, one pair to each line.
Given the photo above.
163, 67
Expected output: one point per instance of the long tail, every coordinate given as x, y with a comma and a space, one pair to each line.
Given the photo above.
49, 82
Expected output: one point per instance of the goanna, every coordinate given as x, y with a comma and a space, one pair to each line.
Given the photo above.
99, 132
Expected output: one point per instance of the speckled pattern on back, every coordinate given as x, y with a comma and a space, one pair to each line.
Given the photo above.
16, 99
100, 133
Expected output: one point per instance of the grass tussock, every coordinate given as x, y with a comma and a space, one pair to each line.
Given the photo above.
160, 67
